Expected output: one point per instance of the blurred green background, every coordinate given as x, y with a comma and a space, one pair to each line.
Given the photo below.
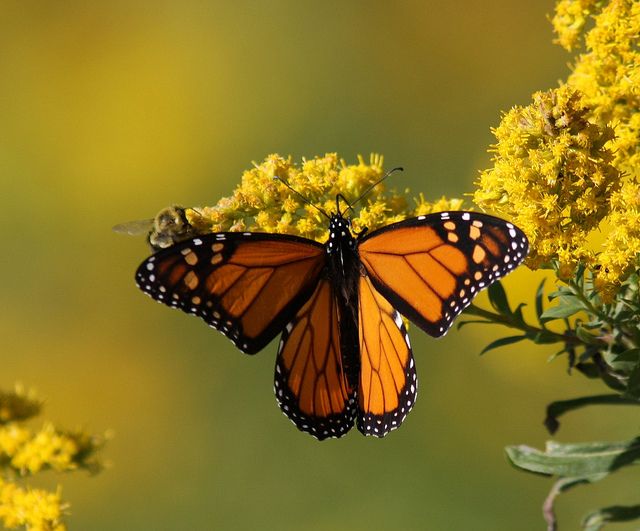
110, 111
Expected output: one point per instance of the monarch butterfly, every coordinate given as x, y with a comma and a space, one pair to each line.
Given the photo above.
344, 356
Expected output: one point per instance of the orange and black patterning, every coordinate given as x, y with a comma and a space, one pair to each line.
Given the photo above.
344, 357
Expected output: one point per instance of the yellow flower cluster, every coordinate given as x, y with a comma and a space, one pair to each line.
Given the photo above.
24, 452
623, 240
34, 509
570, 19
552, 176
566, 166
608, 76
263, 203
30, 452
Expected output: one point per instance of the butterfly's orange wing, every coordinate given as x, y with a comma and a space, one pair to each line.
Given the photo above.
247, 285
388, 384
430, 267
311, 386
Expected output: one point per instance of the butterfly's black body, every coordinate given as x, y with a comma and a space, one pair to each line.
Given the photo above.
343, 270
344, 356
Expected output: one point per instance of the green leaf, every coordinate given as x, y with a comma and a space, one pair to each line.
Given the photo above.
624, 362
556, 409
596, 520
545, 337
590, 370
633, 385
561, 291
517, 314
566, 307
556, 355
629, 356
502, 342
593, 325
498, 298
474, 321
586, 337
565, 484
539, 301
613, 383
576, 460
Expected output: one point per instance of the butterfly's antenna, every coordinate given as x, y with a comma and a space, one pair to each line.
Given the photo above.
362, 196
338, 197
304, 199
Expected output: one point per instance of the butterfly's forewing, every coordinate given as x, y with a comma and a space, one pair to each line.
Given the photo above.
431, 267
388, 382
247, 285
311, 386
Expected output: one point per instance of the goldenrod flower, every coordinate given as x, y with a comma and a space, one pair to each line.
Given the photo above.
552, 176
608, 76
24, 452
46, 448
566, 167
262, 203
622, 246
29, 452
35, 509
570, 18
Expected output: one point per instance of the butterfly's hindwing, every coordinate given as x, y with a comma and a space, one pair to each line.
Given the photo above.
388, 381
431, 267
311, 386
246, 285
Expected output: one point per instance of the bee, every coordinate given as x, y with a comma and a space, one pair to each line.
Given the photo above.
167, 228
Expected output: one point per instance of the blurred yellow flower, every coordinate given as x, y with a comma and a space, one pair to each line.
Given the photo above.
29, 452
24, 452
35, 509
46, 448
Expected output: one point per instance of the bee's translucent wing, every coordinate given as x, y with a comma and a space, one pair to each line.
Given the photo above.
134, 228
